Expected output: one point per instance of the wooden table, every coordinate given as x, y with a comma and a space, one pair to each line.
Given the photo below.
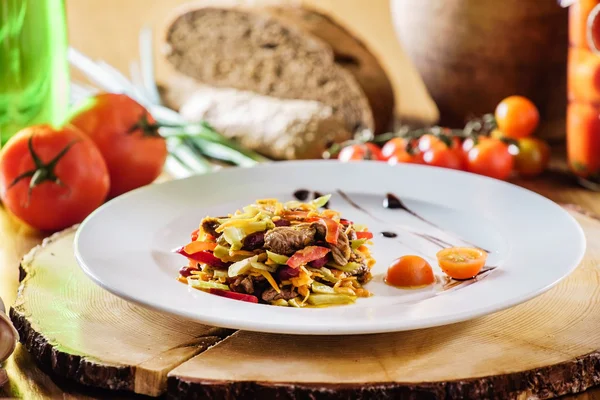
116, 46
27, 380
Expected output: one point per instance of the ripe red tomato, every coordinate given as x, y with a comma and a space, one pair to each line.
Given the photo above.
127, 137
490, 157
52, 178
444, 157
409, 271
355, 152
517, 117
532, 158
429, 141
393, 146
402, 156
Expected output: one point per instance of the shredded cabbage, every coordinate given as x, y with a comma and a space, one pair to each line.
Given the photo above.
206, 285
355, 244
321, 288
330, 299
278, 258
320, 201
234, 237
241, 267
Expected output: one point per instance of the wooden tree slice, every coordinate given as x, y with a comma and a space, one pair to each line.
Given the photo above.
543, 348
81, 332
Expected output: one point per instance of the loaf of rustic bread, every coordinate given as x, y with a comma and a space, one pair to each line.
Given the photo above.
278, 128
282, 52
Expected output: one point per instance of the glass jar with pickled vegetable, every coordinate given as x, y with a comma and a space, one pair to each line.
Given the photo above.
583, 91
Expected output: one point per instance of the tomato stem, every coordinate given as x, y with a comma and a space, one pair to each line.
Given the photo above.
148, 129
42, 172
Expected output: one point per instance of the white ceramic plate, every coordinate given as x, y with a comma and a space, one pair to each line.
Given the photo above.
125, 246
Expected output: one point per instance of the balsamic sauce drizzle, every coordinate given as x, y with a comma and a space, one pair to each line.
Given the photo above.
393, 203
388, 234
301, 194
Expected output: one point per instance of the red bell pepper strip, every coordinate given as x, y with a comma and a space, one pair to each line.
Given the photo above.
306, 255
346, 222
364, 235
333, 230
204, 257
195, 234
234, 295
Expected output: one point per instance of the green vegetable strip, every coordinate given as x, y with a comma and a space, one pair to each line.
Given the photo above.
329, 299
321, 288
206, 285
277, 258
182, 153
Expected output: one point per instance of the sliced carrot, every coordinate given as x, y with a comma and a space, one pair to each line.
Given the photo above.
195, 247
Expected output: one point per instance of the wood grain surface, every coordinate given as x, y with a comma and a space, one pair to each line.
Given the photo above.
108, 29
80, 332
544, 348
547, 347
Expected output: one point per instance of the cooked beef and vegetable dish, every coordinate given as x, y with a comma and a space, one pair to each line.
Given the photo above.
295, 254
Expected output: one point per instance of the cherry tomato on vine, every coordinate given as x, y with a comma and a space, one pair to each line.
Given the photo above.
429, 141
402, 156
409, 271
127, 137
52, 178
517, 117
490, 157
532, 158
443, 157
355, 152
393, 146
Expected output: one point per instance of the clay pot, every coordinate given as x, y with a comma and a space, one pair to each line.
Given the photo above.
473, 53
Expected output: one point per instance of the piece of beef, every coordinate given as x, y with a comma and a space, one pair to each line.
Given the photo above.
286, 293
351, 234
209, 225
321, 230
242, 284
282, 222
247, 284
362, 273
286, 240
341, 251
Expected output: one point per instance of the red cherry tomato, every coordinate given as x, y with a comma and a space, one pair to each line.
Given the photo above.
491, 157
429, 141
532, 158
517, 117
393, 146
355, 152
410, 271
402, 156
444, 157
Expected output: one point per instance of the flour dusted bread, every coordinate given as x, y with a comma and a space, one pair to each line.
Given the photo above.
278, 128
282, 52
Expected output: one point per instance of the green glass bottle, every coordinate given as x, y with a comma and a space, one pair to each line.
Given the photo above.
34, 70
